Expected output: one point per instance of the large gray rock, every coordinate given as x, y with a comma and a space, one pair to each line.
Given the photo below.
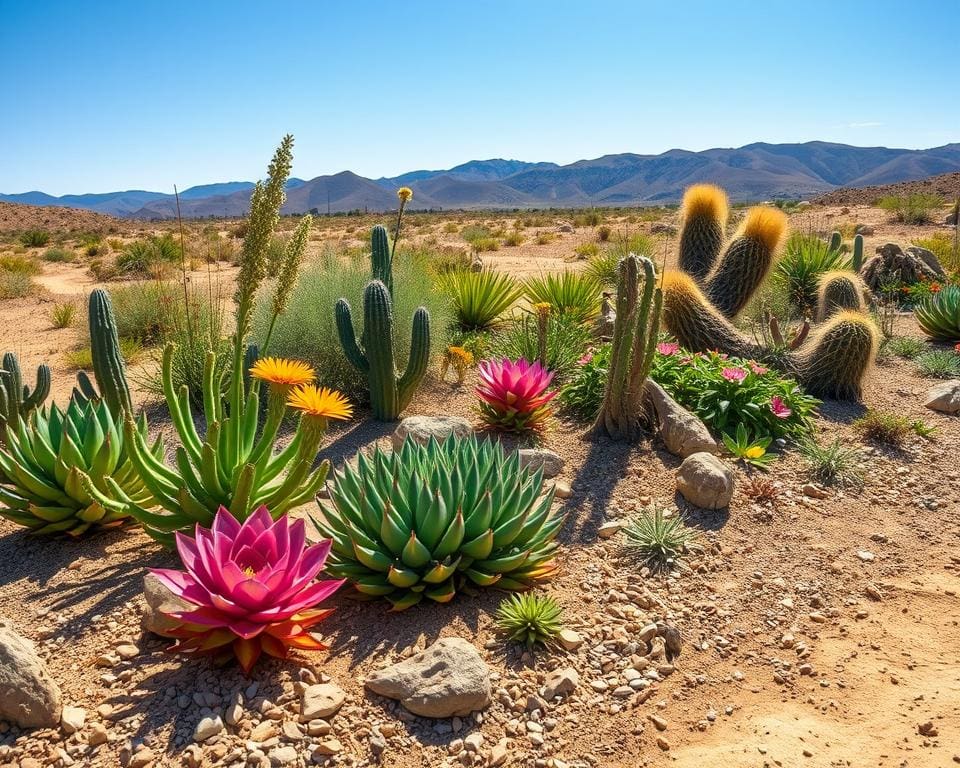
927, 257
448, 678
536, 458
705, 481
160, 601
29, 697
891, 262
683, 433
422, 428
944, 397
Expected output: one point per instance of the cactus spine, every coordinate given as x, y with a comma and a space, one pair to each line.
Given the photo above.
389, 393
839, 290
108, 366
705, 211
16, 399
381, 258
857, 262
634, 346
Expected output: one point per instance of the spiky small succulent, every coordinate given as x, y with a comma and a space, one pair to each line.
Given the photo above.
428, 520
530, 618
68, 471
514, 395
656, 538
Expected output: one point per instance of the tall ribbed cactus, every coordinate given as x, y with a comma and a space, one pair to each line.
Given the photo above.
836, 241
16, 400
108, 366
389, 393
704, 214
634, 346
381, 259
857, 262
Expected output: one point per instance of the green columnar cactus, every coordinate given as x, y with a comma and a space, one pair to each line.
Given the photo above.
704, 215
634, 346
381, 260
857, 262
389, 394
16, 400
839, 290
747, 260
836, 241
108, 366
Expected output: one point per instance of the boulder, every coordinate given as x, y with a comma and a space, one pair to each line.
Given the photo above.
29, 697
661, 228
422, 428
160, 601
449, 678
944, 397
535, 458
564, 226
892, 263
683, 433
927, 257
705, 481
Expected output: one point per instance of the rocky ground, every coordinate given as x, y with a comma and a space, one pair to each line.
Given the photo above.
946, 186
15, 217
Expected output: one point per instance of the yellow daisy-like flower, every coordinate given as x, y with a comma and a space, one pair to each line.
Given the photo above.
278, 370
461, 354
542, 307
754, 452
405, 194
321, 402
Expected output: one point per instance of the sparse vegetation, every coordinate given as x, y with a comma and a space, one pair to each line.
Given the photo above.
35, 238
915, 208
62, 313
657, 539
938, 364
883, 427
59, 255
832, 464
529, 618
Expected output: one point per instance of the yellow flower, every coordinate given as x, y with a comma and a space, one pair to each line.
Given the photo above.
460, 354
405, 194
320, 402
754, 452
277, 370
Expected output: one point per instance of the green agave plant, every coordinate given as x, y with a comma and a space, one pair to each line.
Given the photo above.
427, 520
480, 298
530, 619
939, 315
569, 293
68, 471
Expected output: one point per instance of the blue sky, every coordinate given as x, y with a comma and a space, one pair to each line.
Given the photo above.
103, 96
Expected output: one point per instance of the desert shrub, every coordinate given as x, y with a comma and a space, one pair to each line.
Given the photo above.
513, 239
915, 208
545, 238
149, 256
567, 293
586, 250
275, 253
566, 342
21, 264
726, 391
883, 427
451, 228
35, 238
805, 258
603, 268
656, 538
588, 219
59, 255
582, 395
443, 260
906, 347
143, 310
307, 330
939, 314
15, 285
603, 233
939, 364
945, 247
486, 244
82, 358
103, 270
480, 298
62, 314
832, 464
473, 232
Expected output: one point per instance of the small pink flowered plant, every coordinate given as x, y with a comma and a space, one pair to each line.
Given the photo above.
668, 348
585, 359
758, 369
734, 374
779, 408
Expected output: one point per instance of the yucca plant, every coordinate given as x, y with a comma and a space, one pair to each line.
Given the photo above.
568, 293
657, 539
426, 521
939, 314
480, 298
68, 471
805, 258
530, 619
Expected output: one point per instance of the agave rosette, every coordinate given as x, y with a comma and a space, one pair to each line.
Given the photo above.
69, 471
252, 586
425, 521
514, 394
939, 314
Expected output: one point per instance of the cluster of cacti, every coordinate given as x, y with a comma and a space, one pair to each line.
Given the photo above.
374, 354
633, 348
831, 362
425, 521
16, 400
836, 244
68, 471
109, 369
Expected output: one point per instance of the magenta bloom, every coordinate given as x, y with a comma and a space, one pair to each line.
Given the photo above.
734, 374
585, 359
779, 408
668, 348
757, 368
253, 586
514, 396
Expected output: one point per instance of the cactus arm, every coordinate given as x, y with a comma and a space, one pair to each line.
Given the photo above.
108, 366
857, 253
836, 241
381, 258
419, 358
348, 337
40, 392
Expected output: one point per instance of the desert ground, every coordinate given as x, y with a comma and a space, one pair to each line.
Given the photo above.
820, 627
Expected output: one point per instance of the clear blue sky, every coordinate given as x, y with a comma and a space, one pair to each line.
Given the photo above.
101, 96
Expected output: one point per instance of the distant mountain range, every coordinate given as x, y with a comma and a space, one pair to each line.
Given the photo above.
753, 172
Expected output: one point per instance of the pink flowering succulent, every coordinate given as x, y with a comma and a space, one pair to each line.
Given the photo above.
514, 395
758, 369
734, 374
668, 348
779, 408
251, 587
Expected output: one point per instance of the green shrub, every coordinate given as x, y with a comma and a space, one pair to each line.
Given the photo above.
832, 464
59, 255
307, 330
603, 265
939, 364
568, 293
586, 250
944, 246
35, 238
144, 310
480, 298
805, 258
529, 619
149, 257
15, 285
21, 264
513, 239
61, 315
583, 392
906, 347
883, 427
473, 232
588, 219
486, 244
916, 208
82, 358
545, 238
566, 342
658, 540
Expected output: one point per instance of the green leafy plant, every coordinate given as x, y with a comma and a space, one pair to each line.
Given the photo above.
749, 450
148, 257
62, 314
566, 341
906, 347
805, 258
426, 521
657, 539
567, 293
583, 393
34, 238
939, 315
480, 298
939, 364
586, 250
59, 255
530, 619
834, 463
914, 208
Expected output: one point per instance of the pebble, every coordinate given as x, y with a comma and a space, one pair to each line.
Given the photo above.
97, 735
72, 719
570, 639
867, 557
207, 728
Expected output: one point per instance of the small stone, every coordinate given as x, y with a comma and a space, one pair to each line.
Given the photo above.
321, 701
263, 731
683, 433
142, 759
928, 729
663, 743
705, 481
537, 458
609, 529
207, 728
570, 639
328, 747
72, 719
560, 682
815, 491
944, 397
562, 490
867, 557
473, 742
498, 754
127, 651
97, 735
283, 755
658, 722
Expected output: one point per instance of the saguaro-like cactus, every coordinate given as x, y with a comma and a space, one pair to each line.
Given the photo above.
857, 261
836, 241
16, 400
381, 260
108, 366
634, 346
389, 393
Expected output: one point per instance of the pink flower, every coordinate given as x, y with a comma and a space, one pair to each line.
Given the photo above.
734, 374
779, 408
758, 369
667, 348
585, 359
514, 395
252, 588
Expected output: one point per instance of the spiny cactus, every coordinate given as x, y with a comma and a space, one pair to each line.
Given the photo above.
634, 346
381, 259
389, 393
837, 356
16, 400
108, 366
747, 260
704, 214
836, 241
857, 262
839, 290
